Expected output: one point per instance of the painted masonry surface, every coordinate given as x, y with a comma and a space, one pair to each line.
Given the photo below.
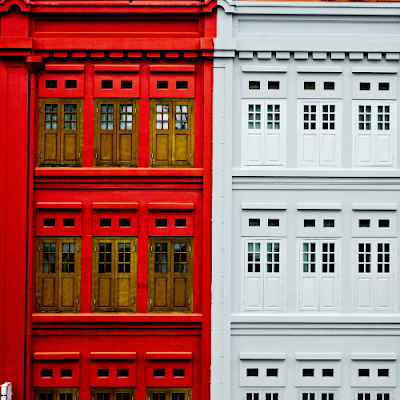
305, 201
106, 199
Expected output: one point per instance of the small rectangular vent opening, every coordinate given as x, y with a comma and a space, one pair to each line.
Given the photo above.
122, 373
159, 372
66, 372
254, 85
69, 222
51, 84
309, 223
252, 371
329, 223
254, 222
180, 223
181, 84
162, 84
384, 223
383, 85
365, 85
329, 85
363, 223
272, 371
273, 85
126, 84
273, 222
46, 373
383, 372
106, 84
124, 222
308, 372
178, 372
309, 85
105, 222
102, 372
161, 222
49, 222
363, 372
70, 84
327, 372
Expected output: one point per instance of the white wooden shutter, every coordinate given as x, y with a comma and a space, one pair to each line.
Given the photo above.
254, 133
329, 125
308, 275
253, 276
364, 266
383, 272
273, 263
383, 126
328, 275
274, 132
364, 140
309, 135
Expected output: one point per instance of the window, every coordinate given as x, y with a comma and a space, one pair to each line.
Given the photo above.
169, 394
60, 132
170, 274
264, 127
318, 274
171, 133
57, 394
374, 274
320, 124
373, 395
264, 395
113, 394
263, 274
374, 128
114, 274
318, 395
58, 274
115, 139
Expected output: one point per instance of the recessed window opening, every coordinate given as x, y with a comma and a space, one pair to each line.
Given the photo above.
162, 84
126, 84
122, 373
69, 222
363, 223
161, 222
49, 222
254, 222
180, 223
365, 86
383, 372
254, 85
106, 84
383, 85
181, 84
273, 85
363, 372
159, 372
383, 223
329, 85
124, 222
309, 223
178, 372
105, 222
273, 222
66, 372
46, 373
252, 371
308, 372
309, 85
51, 84
329, 223
70, 84
327, 372
272, 371
102, 372
269, 396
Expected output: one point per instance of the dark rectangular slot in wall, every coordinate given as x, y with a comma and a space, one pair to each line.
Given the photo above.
106, 84
49, 222
308, 372
363, 372
254, 222
70, 84
327, 372
126, 84
178, 372
124, 222
363, 223
273, 222
309, 223
329, 223
383, 372
309, 85
161, 222
162, 84
105, 222
383, 223
272, 371
46, 373
122, 373
102, 372
159, 372
254, 85
51, 84
252, 371
273, 85
365, 86
329, 85
181, 84
69, 222
383, 85
66, 372
180, 223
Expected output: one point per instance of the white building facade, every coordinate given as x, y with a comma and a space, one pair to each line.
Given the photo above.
306, 201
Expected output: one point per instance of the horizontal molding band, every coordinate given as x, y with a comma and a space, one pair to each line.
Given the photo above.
318, 356
262, 356
374, 356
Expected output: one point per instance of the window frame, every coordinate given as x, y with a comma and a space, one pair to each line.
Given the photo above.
112, 392
96, 276
169, 391
60, 132
57, 392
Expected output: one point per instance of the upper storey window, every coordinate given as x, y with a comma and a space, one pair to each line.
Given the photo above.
60, 132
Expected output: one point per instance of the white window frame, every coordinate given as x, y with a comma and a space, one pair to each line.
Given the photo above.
319, 277
374, 393
318, 393
320, 134
375, 134
265, 135
374, 276
262, 393
266, 278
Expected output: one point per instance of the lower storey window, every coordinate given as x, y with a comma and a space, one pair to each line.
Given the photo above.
113, 394
373, 395
57, 394
318, 395
270, 394
168, 394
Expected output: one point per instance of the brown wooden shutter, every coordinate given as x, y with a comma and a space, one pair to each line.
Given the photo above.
69, 271
182, 137
161, 132
105, 132
126, 128
71, 127
49, 131
47, 275
46, 394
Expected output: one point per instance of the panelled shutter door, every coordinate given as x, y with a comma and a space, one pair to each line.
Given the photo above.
383, 124
274, 120
253, 275
161, 131
106, 132
126, 128
254, 133
364, 134
384, 281
272, 265
328, 267
70, 124
104, 256
329, 125
364, 267
308, 275
160, 275
182, 125
309, 134
50, 116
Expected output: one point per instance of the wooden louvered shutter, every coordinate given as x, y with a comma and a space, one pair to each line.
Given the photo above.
161, 131
71, 127
182, 137
126, 128
49, 131
105, 132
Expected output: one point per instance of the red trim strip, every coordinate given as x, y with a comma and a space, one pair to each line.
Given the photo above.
169, 356
58, 206
113, 355
172, 68
56, 356
116, 68
115, 206
64, 67
171, 206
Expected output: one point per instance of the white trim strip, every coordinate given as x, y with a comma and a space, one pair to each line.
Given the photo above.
374, 70
319, 206
264, 206
374, 356
262, 356
249, 68
374, 207
334, 70
318, 356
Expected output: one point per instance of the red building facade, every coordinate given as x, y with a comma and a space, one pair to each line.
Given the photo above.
106, 161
